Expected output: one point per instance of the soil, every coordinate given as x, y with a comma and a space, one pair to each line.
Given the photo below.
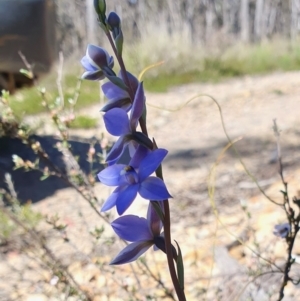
208, 227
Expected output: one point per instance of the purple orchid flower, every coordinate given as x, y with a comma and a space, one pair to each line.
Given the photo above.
133, 179
119, 124
118, 97
95, 60
143, 233
282, 230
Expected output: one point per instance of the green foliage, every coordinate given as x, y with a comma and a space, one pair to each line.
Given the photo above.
6, 227
24, 213
15, 212
28, 101
239, 61
215, 65
30, 217
84, 122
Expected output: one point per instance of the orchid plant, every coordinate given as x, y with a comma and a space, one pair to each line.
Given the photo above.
125, 117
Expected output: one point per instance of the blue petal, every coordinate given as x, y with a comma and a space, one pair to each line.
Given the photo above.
116, 122
132, 228
97, 56
111, 175
111, 200
154, 189
123, 103
132, 147
86, 64
133, 81
113, 92
111, 62
93, 75
132, 252
151, 162
126, 197
116, 151
155, 248
139, 154
137, 107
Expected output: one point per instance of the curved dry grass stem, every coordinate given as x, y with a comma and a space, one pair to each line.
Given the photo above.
251, 281
211, 192
213, 171
211, 188
250, 175
148, 68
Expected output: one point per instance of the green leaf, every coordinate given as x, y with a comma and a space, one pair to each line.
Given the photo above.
117, 81
44, 177
180, 268
27, 73
103, 26
119, 42
283, 192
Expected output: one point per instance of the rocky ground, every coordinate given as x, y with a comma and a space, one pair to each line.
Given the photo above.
209, 225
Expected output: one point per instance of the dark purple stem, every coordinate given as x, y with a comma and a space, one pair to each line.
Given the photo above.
168, 244
122, 66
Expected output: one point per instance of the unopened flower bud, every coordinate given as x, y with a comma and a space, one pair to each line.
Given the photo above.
35, 146
113, 20
17, 160
100, 8
29, 164
21, 133
71, 117
114, 24
53, 114
54, 280
104, 143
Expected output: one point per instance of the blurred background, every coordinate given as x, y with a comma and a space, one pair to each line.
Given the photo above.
198, 40
218, 23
